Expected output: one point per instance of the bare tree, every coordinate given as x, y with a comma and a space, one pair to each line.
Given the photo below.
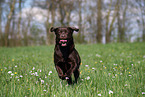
141, 4
110, 28
99, 21
7, 27
18, 42
121, 21
79, 38
1, 34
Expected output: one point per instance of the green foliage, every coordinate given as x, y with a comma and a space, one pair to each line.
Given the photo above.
111, 70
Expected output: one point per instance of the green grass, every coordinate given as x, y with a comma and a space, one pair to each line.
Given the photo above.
118, 68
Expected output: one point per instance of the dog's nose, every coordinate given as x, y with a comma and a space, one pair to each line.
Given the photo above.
62, 36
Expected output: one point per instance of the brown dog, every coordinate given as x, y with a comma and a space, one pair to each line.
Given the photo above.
66, 58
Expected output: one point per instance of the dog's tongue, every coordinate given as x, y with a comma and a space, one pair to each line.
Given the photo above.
63, 42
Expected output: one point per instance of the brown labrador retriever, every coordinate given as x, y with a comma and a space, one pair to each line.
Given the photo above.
66, 57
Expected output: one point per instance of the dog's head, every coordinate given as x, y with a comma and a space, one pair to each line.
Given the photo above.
63, 34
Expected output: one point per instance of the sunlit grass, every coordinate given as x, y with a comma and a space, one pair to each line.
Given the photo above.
106, 70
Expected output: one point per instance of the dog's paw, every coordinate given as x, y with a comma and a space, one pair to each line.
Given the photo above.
62, 77
68, 74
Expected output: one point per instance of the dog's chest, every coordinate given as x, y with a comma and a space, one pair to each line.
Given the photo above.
65, 52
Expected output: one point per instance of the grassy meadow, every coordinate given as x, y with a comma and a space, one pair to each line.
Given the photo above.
111, 70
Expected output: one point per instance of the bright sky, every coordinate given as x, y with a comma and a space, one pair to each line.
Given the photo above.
27, 3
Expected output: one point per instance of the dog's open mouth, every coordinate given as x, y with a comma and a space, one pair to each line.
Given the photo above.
63, 42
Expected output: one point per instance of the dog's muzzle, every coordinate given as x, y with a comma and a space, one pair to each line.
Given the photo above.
63, 42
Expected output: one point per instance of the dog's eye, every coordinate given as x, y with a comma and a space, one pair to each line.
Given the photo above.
66, 32
59, 32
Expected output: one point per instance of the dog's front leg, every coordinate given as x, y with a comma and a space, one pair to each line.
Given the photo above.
60, 72
71, 70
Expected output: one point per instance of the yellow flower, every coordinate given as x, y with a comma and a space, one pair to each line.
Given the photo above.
105, 67
12, 59
15, 72
81, 64
95, 62
129, 72
1, 69
127, 68
115, 67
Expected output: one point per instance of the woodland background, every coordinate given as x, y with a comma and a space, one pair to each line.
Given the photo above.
27, 22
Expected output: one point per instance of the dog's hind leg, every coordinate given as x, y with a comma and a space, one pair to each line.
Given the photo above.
76, 74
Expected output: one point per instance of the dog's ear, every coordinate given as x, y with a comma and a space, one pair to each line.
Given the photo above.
74, 29
52, 29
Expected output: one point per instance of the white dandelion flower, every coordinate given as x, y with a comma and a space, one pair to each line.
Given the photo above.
97, 55
36, 74
5, 67
21, 76
143, 93
36, 82
17, 77
99, 94
88, 78
110, 92
125, 84
42, 81
33, 68
50, 72
109, 74
10, 72
132, 64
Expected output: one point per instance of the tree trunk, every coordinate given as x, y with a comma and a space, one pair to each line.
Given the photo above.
80, 23
110, 27
26, 37
124, 21
1, 34
18, 42
50, 36
119, 22
99, 21
62, 12
7, 27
